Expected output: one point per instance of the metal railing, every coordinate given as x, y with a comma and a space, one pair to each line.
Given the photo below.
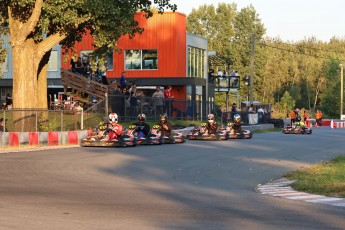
26, 120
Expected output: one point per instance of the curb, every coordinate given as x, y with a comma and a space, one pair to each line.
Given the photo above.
281, 188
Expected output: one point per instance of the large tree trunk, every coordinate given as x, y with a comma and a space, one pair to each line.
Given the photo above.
24, 85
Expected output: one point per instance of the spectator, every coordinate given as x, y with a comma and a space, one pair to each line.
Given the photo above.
261, 114
133, 104
251, 109
8, 101
233, 111
2, 125
79, 68
169, 98
158, 97
123, 81
117, 100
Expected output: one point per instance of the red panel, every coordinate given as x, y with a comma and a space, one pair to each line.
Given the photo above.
53, 138
73, 137
33, 138
164, 32
13, 138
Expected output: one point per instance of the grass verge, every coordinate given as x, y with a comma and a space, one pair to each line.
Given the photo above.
267, 130
326, 178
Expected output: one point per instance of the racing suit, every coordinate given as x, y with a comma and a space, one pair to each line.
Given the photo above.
166, 128
142, 129
212, 128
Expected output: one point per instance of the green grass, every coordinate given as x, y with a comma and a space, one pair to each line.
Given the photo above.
267, 130
326, 178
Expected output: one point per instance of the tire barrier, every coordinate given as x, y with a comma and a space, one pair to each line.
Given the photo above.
16, 139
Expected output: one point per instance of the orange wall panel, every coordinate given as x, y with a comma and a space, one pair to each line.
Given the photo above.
164, 32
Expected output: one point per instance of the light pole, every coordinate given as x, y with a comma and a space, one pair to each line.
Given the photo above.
341, 89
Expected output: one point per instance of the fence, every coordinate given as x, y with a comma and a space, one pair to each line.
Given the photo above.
20, 120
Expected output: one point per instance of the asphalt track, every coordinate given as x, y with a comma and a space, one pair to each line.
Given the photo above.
195, 185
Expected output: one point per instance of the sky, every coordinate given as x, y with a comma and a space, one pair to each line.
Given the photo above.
289, 20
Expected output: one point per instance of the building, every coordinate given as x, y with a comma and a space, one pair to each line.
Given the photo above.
164, 54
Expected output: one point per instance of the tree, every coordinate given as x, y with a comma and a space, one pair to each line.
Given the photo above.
36, 26
287, 102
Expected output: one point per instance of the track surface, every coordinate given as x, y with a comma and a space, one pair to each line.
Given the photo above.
195, 185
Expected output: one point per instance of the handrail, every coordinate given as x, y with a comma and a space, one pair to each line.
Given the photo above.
83, 84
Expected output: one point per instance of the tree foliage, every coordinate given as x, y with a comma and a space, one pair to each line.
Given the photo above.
36, 26
307, 70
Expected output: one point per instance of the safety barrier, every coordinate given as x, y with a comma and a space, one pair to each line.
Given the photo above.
337, 124
16, 139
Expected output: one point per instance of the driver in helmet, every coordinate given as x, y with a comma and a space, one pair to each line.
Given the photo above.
114, 129
142, 128
166, 126
236, 126
211, 126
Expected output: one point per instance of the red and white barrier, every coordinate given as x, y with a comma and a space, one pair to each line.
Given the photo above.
15, 139
337, 124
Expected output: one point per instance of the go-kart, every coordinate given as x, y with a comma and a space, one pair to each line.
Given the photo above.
297, 129
99, 139
151, 139
244, 134
200, 133
174, 138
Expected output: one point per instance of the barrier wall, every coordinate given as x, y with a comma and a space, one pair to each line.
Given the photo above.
15, 139
337, 124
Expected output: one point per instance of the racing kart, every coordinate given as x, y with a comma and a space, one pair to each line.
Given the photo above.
151, 139
174, 138
98, 139
244, 134
200, 133
297, 129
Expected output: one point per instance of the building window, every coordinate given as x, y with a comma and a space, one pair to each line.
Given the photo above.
4, 66
53, 61
196, 62
88, 57
141, 59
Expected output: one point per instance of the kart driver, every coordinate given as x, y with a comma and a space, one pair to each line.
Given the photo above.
211, 126
166, 126
236, 126
114, 129
142, 128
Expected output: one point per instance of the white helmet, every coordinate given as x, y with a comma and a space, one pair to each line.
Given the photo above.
210, 118
113, 117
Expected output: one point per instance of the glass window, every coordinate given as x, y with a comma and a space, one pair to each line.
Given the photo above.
150, 59
4, 66
110, 61
141, 59
196, 60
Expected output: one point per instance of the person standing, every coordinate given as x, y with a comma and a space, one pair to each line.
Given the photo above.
133, 103
318, 118
2, 125
169, 98
158, 98
123, 81
292, 117
117, 101
8, 101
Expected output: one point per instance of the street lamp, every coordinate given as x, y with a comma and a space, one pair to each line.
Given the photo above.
341, 89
